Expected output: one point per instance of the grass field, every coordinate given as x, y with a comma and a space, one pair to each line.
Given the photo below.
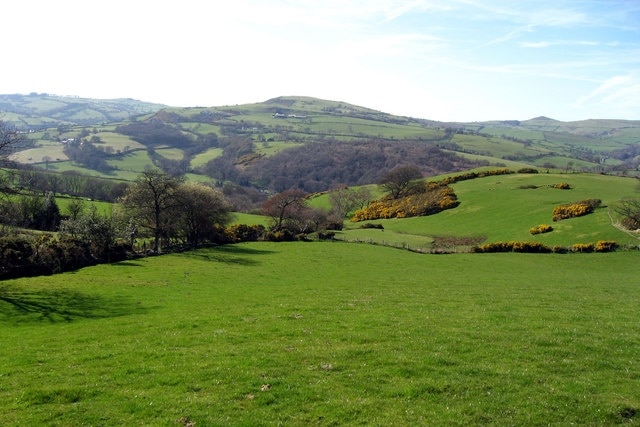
505, 208
325, 334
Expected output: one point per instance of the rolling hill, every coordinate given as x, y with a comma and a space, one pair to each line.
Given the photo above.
39, 111
301, 142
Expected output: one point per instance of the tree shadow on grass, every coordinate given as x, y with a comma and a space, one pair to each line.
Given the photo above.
18, 305
230, 254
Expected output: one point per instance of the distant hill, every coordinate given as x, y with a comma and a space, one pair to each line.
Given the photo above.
301, 142
38, 111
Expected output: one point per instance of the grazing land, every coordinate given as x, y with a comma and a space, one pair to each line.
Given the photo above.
505, 207
325, 333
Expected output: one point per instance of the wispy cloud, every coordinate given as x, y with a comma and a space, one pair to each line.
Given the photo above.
617, 93
543, 44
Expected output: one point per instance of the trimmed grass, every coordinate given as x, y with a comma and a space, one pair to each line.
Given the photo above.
325, 333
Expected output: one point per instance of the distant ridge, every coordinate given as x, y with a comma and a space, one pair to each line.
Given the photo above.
41, 110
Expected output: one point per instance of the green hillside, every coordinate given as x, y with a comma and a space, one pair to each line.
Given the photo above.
39, 111
311, 143
504, 208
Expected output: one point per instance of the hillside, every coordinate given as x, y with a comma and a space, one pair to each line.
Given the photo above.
505, 208
39, 111
315, 144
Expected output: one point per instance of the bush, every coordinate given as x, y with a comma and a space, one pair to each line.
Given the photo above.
512, 246
542, 228
329, 235
576, 209
557, 249
561, 186
428, 199
606, 246
528, 170
583, 247
245, 233
371, 225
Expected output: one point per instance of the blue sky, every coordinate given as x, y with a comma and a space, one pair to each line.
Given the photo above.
457, 60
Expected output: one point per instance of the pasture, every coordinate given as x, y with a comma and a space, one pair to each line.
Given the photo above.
505, 207
325, 334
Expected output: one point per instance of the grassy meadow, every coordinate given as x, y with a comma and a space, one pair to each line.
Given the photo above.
505, 207
325, 334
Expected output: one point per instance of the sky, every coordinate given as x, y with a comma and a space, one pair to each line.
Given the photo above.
445, 60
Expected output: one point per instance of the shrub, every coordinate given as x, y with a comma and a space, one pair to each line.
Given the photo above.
583, 247
576, 209
528, 170
561, 186
371, 225
245, 233
542, 228
512, 246
328, 235
427, 199
606, 246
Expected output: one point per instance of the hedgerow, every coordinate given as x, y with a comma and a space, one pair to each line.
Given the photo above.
536, 247
512, 246
576, 209
606, 246
473, 175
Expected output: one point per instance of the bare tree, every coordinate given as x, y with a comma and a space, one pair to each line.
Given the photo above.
399, 180
151, 199
284, 206
630, 210
344, 199
9, 137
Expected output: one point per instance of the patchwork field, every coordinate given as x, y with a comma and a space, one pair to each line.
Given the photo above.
325, 334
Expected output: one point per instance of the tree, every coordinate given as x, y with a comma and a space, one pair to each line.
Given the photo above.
151, 199
200, 210
399, 180
9, 137
98, 231
344, 200
284, 207
629, 208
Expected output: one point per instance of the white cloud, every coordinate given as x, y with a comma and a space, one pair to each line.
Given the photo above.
619, 95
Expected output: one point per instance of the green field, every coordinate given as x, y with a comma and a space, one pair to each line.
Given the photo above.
504, 208
325, 334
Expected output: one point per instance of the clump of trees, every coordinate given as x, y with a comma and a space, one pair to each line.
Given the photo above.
292, 218
169, 210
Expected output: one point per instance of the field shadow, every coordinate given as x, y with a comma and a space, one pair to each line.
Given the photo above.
126, 264
18, 305
230, 254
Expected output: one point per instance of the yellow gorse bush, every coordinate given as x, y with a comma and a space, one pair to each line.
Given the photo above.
576, 209
542, 228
